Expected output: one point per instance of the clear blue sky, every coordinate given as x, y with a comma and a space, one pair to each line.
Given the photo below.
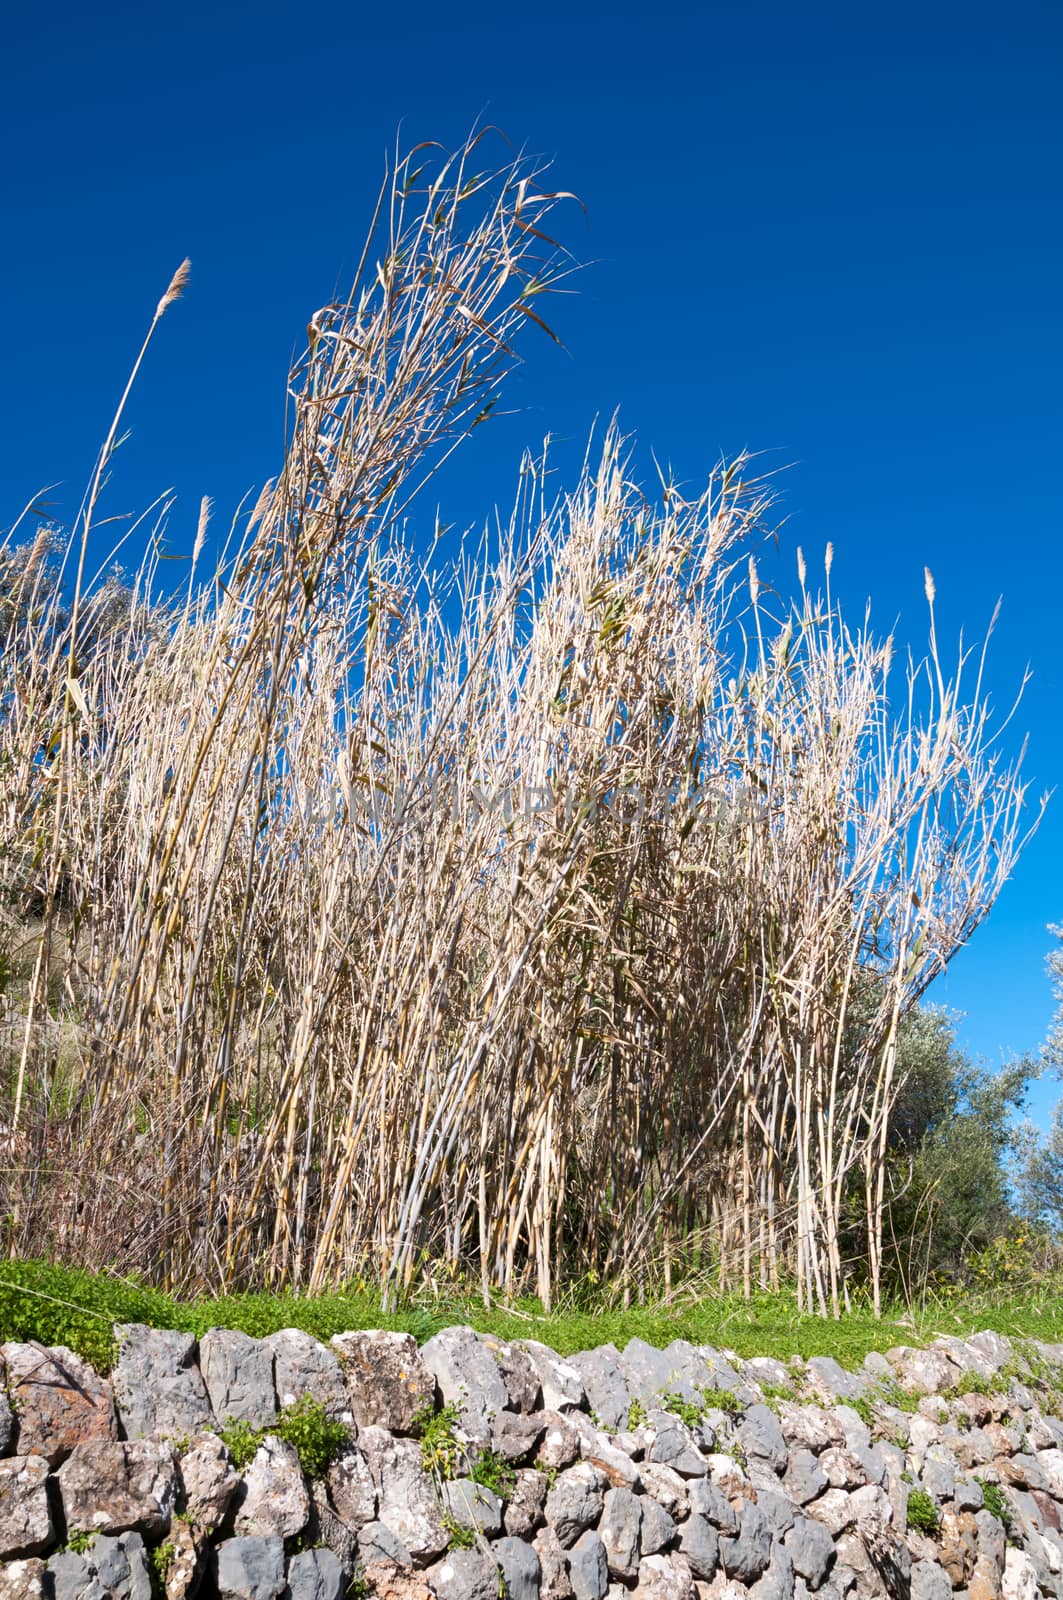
830, 232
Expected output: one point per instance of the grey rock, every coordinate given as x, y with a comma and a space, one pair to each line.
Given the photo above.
651, 1373
208, 1480
744, 1556
666, 1487
708, 1500
473, 1506
968, 1495
620, 1527
7, 1425
779, 1582
805, 1478
238, 1374
602, 1452
468, 1376
250, 1568
923, 1371
58, 1399
722, 1374
302, 1366
351, 1488
760, 1435
315, 1575
811, 1549
778, 1509
26, 1526
377, 1542
553, 1580
588, 1570
406, 1499
519, 1566
833, 1380
872, 1461
110, 1486
673, 1446
23, 1580
465, 1575
930, 1582
273, 1498
559, 1380
812, 1428
387, 1382
157, 1384
871, 1507
700, 1544
664, 1578
559, 1445
657, 1530
516, 1435
109, 1567
844, 1469
526, 1509
575, 1502
605, 1384
519, 1376
834, 1510
938, 1476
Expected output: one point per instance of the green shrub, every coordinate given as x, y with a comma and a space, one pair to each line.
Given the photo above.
923, 1513
721, 1400
316, 1440
495, 1473
305, 1426
440, 1449
996, 1502
686, 1410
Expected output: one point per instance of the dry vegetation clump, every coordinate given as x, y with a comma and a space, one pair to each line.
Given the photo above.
543, 917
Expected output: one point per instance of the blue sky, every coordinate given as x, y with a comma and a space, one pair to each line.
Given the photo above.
831, 233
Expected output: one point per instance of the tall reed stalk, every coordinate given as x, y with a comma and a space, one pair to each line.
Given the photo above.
543, 917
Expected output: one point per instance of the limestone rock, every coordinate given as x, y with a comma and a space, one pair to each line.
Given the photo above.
605, 1383
351, 1488
26, 1526
554, 1581
465, 1575
23, 1580
663, 1578
208, 1480
59, 1399
620, 1528
250, 1568
516, 1435
526, 1509
559, 1381
157, 1384
744, 1556
238, 1374
811, 1549
588, 1570
406, 1500
473, 1506
387, 1382
523, 1385
559, 1446
273, 1499
117, 1568
519, 1566
575, 1502
302, 1367
111, 1486
700, 1544
315, 1575
388, 1581
468, 1376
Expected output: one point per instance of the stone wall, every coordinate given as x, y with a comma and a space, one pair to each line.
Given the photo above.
471, 1470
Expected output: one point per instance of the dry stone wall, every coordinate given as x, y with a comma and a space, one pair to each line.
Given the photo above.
470, 1469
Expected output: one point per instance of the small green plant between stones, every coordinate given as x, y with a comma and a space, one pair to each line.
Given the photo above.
493, 1472
996, 1502
439, 1445
316, 1440
636, 1413
686, 1410
923, 1513
459, 1535
79, 1541
160, 1560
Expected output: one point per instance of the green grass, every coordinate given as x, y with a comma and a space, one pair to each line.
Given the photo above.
63, 1305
